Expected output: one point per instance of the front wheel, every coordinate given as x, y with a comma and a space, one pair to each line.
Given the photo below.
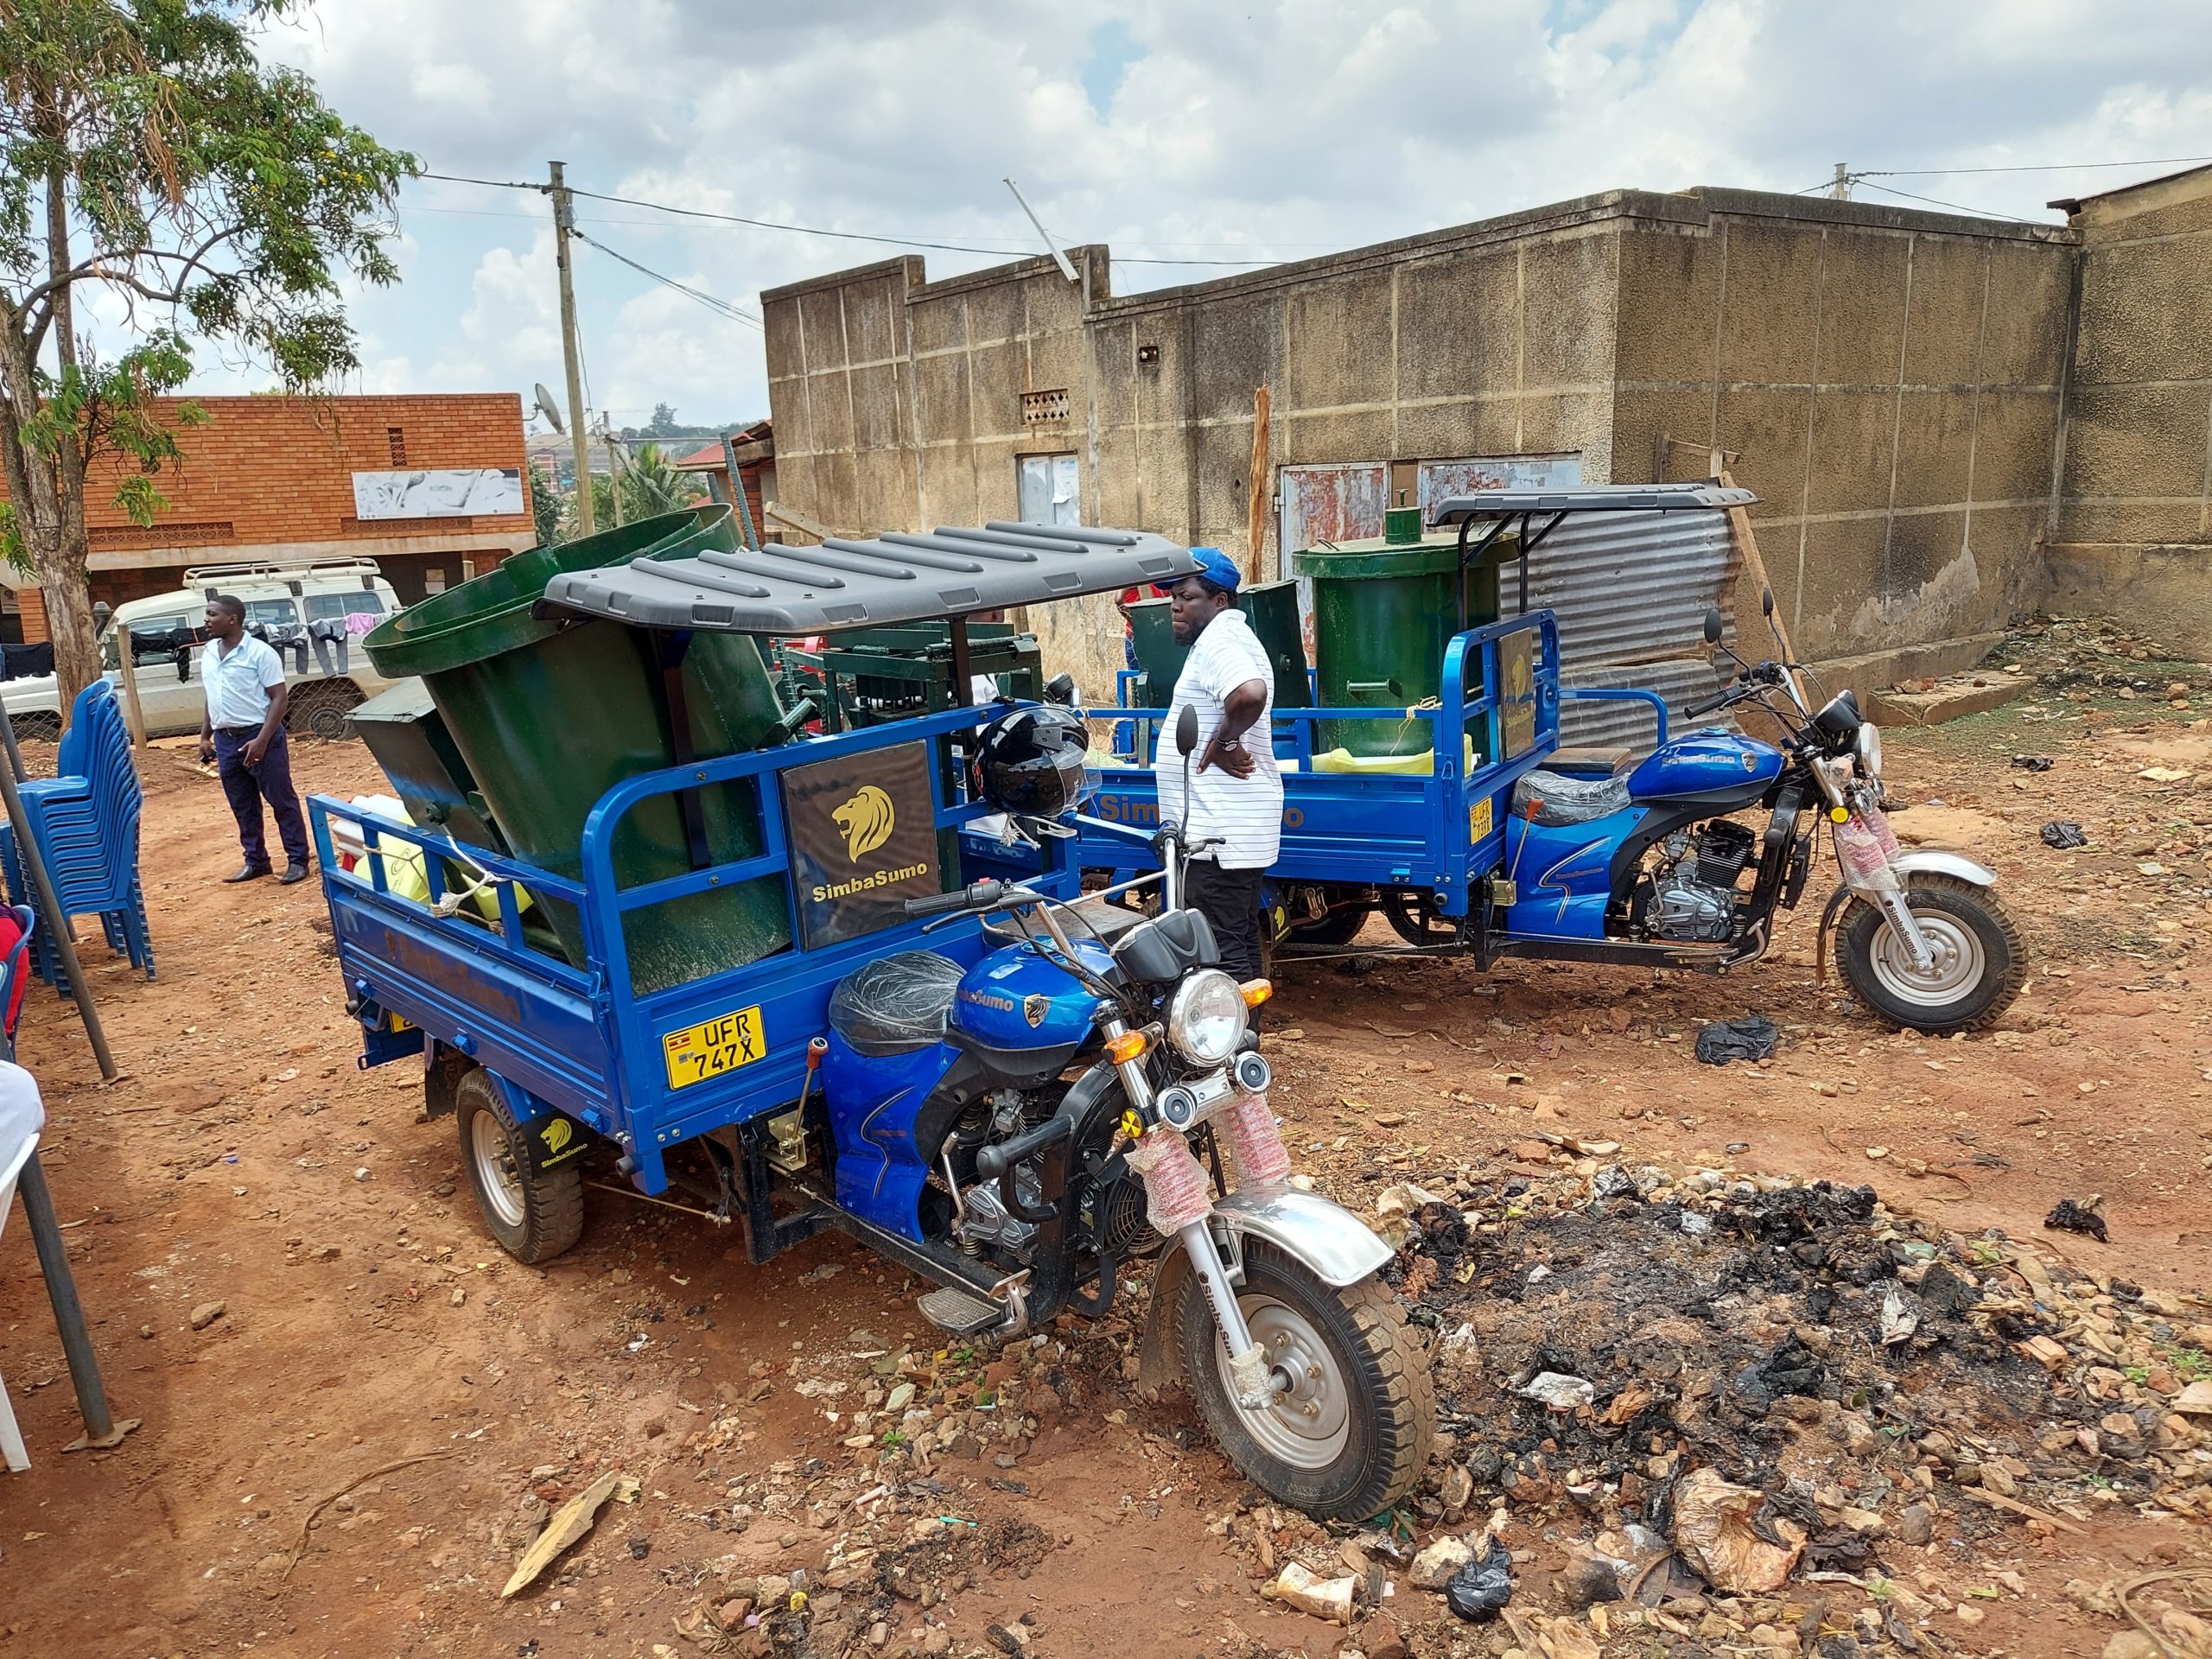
1354, 1413
534, 1215
1979, 962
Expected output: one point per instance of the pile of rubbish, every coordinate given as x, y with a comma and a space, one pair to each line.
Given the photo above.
1688, 1403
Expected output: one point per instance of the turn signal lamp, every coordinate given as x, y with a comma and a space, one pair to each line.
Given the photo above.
1126, 1047
1839, 815
1256, 991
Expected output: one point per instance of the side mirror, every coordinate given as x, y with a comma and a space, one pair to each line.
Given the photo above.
1186, 731
1061, 689
1713, 628
1766, 601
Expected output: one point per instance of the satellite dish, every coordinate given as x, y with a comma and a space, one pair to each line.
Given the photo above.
548, 408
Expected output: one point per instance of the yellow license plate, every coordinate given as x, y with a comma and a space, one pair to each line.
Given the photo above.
714, 1046
1478, 819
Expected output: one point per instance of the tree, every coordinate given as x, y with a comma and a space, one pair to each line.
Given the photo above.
544, 506
650, 484
662, 424
145, 152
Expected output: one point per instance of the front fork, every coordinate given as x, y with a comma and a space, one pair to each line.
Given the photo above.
1866, 845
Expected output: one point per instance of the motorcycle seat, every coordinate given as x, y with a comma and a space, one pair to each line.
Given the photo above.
1553, 798
896, 1004
1589, 762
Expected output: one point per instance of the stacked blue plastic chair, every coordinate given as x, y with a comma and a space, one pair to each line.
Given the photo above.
85, 823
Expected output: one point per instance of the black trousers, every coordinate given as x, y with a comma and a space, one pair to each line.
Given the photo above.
1230, 900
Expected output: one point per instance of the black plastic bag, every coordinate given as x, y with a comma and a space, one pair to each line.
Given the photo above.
1484, 1585
1751, 1037
2072, 1217
2033, 762
2062, 834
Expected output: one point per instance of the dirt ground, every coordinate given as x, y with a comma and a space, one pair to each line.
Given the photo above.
347, 1457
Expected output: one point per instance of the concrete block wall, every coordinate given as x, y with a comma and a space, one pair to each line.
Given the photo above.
2133, 533
1889, 382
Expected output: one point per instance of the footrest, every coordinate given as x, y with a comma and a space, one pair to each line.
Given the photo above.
963, 1312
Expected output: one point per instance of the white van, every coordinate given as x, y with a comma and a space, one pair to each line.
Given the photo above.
314, 612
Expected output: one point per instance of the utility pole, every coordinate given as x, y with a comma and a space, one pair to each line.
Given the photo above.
613, 467
563, 222
1841, 189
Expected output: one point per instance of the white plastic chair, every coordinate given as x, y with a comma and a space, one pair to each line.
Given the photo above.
22, 1115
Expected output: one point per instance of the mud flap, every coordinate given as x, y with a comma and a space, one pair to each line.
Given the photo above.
1159, 1350
554, 1138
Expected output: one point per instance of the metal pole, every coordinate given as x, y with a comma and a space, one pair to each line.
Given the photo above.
1050, 246
100, 1428
737, 492
1840, 188
580, 440
49, 911
14, 754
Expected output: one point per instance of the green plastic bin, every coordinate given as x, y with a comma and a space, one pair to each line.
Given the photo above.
1383, 611
1272, 609
550, 714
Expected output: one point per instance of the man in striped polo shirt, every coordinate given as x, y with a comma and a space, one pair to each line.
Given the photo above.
1235, 789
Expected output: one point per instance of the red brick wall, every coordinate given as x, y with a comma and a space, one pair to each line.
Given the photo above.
280, 469
33, 605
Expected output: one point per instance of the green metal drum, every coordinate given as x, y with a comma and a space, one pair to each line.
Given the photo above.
551, 713
1383, 610
1272, 609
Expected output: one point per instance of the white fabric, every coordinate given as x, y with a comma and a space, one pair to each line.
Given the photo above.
23, 1115
240, 682
1246, 812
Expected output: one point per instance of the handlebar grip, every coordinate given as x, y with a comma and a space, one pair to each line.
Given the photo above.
1707, 705
980, 892
994, 1161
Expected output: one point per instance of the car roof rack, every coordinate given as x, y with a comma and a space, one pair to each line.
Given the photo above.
786, 591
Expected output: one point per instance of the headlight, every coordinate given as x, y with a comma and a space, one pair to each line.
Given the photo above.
1867, 745
1206, 1017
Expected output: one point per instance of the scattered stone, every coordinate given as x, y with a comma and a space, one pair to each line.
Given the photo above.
1433, 1566
1916, 1524
206, 1314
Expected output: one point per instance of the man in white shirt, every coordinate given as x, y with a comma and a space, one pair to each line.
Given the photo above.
1236, 789
243, 733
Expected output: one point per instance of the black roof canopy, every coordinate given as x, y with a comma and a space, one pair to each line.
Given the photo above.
1589, 498
895, 577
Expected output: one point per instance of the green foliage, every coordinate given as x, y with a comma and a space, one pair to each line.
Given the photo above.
544, 506
650, 484
146, 152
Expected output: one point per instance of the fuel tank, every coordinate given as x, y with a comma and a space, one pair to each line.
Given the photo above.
1706, 763
1014, 1000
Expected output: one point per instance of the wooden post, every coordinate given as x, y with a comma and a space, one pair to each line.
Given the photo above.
1739, 522
579, 440
1256, 497
125, 658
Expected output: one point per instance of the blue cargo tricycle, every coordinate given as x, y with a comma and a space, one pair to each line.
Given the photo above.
1015, 1093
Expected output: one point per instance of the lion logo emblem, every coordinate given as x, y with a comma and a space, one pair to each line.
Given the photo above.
865, 822
556, 1135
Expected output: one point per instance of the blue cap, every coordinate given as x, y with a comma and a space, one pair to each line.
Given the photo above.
1216, 567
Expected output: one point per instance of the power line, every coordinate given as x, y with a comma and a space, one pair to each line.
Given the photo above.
1956, 206
721, 306
2039, 167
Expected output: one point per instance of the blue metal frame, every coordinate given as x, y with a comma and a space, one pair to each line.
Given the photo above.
1378, 830
582, 1039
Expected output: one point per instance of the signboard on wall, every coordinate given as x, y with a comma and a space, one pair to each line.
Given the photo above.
472, 492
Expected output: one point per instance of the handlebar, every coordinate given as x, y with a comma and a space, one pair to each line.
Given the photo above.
1707, 705
975, 896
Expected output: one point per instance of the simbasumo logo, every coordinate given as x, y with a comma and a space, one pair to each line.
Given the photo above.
865, 821
863, 883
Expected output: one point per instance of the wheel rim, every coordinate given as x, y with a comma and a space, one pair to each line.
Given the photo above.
495, 1168
1309, 1423
1960, 960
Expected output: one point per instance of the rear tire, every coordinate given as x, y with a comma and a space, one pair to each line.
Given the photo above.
1387, 1408
1412, 917
535, 1217
1340, 925
1980, 966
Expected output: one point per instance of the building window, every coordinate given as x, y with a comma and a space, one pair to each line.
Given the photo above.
1049, 490
1044, 406
398, 437
434, 580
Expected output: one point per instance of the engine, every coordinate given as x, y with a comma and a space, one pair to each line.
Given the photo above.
982, 1224
1692, 894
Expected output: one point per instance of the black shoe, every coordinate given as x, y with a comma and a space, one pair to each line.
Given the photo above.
249, 872
294, 872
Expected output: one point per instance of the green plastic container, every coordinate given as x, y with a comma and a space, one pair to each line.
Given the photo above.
1383, 611
1272, 609
550, 714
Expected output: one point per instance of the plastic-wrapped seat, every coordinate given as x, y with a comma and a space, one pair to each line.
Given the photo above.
1553, 798
897, 1004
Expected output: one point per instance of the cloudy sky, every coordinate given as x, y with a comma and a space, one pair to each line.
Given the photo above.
1175, 131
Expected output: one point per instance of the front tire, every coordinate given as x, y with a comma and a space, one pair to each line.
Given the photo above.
1344, 1444
1981, 964
535, 1216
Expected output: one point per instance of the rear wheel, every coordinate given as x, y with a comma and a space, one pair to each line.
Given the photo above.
534, 1215
1413, 917
1350, 1431
1340, 923
1979, 966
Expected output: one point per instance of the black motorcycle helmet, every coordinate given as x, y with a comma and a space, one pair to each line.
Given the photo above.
1035, 762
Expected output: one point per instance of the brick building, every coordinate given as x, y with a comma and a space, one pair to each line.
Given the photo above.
432, 486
